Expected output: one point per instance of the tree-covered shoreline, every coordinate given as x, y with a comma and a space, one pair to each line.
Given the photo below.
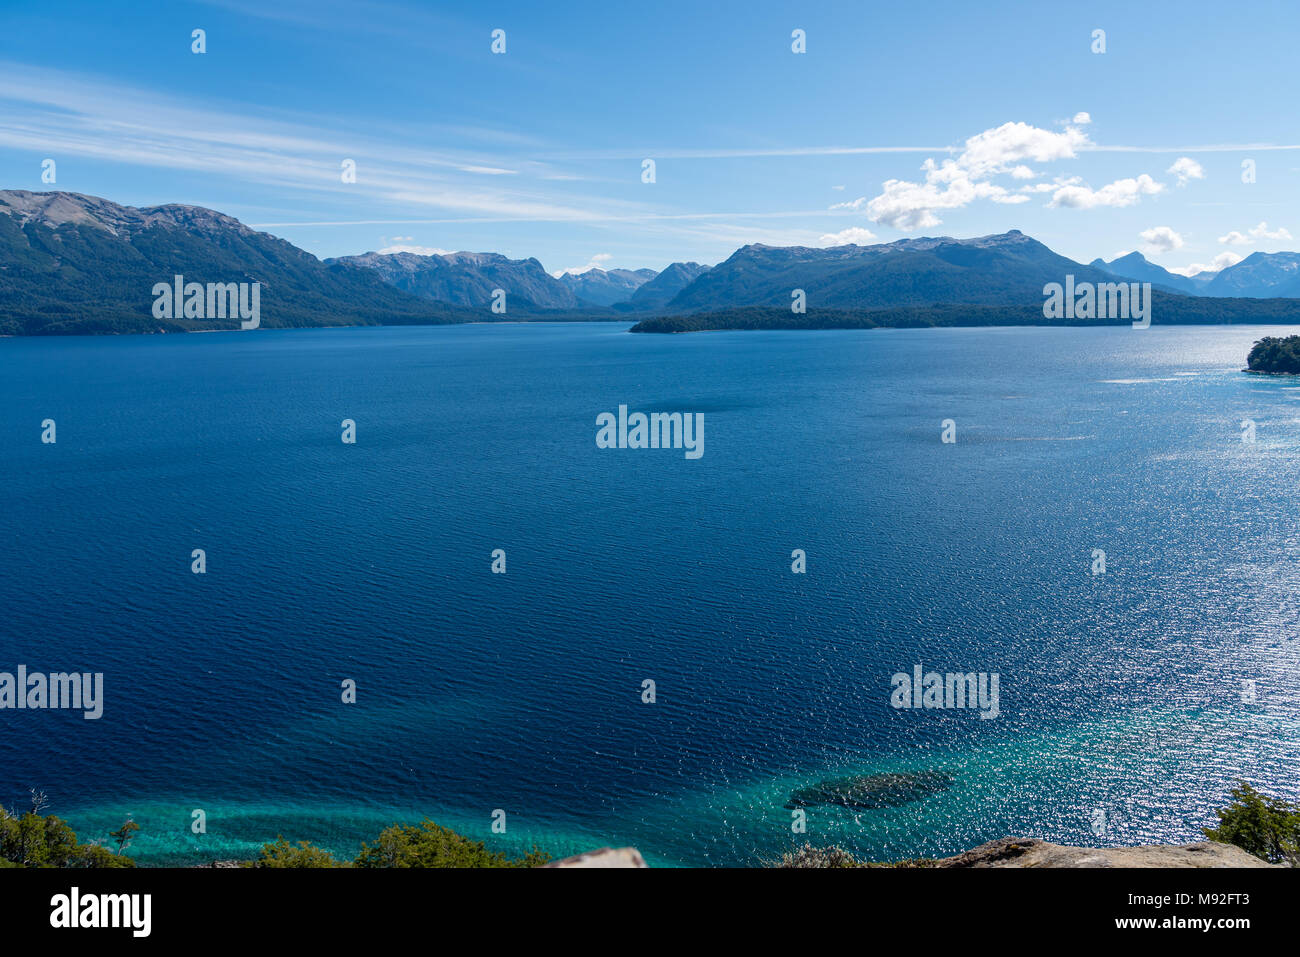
1275, 355
1264, 825
1166, 309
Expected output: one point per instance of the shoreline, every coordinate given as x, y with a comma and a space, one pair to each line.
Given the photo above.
633, 323
1006, 852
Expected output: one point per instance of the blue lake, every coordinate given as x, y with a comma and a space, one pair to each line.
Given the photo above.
1120, 692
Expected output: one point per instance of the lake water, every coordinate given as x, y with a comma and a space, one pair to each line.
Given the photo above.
1124, 693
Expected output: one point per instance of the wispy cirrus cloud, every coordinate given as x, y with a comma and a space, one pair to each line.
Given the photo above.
408, 175
55, 112
399, 182
778, 152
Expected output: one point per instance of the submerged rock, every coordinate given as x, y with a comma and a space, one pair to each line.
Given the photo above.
871, 791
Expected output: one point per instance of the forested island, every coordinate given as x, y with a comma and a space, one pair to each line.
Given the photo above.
1275, 355
1166, 309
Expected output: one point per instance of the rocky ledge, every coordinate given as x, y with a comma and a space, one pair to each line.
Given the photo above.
1030, 852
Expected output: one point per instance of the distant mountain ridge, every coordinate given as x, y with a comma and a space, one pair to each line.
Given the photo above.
76, 263
1136, 266
659, 291
601, 287
71, 263
468, 279
1261, 276
1004, 268
59, 209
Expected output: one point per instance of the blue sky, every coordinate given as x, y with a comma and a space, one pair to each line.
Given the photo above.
900, 120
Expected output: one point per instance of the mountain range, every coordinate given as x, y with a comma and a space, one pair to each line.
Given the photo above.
599, 287
71, 263
1006, 268
1258, 276
468, 279
661, 290
78, 264
1135, 266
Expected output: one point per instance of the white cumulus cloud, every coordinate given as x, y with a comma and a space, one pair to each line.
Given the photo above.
1237, 238
1186, 169
1222, 261
1262, 232
954, 183
854, 204
997, 150
1122, 192
595, 263
854, 234
1161, 239
418, 250
1008, 150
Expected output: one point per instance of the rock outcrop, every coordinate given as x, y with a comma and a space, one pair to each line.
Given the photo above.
1030, 852
605, 857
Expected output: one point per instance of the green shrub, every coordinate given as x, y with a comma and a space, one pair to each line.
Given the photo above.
809, 856
284, 854
33, 840
428, 845
431, 845
1266, 826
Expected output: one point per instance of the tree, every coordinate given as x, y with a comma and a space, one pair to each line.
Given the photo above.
123, 834
31, 840
428, 845
431, 845
1275, 354
284, 854
1267, 827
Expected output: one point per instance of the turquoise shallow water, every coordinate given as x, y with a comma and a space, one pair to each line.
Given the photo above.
1119, 692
